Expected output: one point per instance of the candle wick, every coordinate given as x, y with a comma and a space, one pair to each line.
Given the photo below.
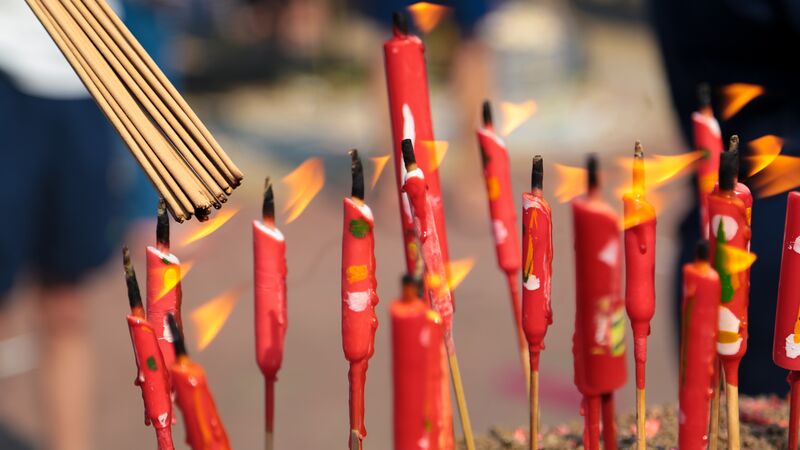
593, 180
357, 172
409, 158
638, 169
702, 250
728, 169
399, 23
537, 173
487, 114
177, 336
134, 295
268, 206
162, 227
704, 97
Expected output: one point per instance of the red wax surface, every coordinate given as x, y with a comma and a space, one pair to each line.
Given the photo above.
640, 262
416, 368
152, 374
537, 254
271, 321
786, 344
204, 428
599, 340
409, 107
699, 315
730, 224
708, 139
163, 272
359, 298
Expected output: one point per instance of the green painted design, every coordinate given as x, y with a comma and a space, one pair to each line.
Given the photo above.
720, 260
166, 261
151, 364
359, 228
428, 425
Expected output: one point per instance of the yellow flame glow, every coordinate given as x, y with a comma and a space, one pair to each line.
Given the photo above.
515, 114
571, 182
210, 317
736, 259
457, 270
737, 96
379, 163
171, 274
206, 228
427, 16
636, 216
781, 175
304, 184
660, 169
436, 152
765, 150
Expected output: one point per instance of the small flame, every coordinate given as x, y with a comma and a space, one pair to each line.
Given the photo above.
206, 228
515, 114
779, 176
661, 169
632, 218
736, 260
304, 184
380, 163
427, 16
172, 275
737, 96
457, 270
765, 150
436, 151
571, 182
210, 317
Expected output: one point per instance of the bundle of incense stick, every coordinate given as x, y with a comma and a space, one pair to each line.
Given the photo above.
183, 161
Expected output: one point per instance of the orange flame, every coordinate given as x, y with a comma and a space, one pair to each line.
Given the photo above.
571, 182
765, 150
515, 114
210, 317
737, 96
304, 184
380, 163
780, 176
436, 151
736, 260
206, 228
660, 169
171, 275
427, 16
634, 217
457, 270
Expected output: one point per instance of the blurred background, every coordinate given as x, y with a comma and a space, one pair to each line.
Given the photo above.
281, 81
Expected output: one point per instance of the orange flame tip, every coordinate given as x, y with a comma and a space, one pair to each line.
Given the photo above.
661, 169
515, 114
304, 184
210, 317
765, 150
571, 182
207, 228
380, 163
172, 275
457, 271
779, 176
737, 96
436, 152
427, 16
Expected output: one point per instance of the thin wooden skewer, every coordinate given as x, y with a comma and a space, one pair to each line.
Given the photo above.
794, 409
355, 440
522, 341
641, 417
732, 400
534, 413
461, 400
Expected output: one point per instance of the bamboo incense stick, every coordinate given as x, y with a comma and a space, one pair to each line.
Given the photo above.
713, 430
732, 402
534, 413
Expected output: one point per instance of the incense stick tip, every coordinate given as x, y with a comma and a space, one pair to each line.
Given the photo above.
357, 173
408, 152
537, 173
268, 205
487, 113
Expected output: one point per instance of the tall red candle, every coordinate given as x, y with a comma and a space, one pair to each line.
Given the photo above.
163, 286
152, 376
497, 176
708, 139
409, 107
204, 428
416, 369
599, 339
359, 293
786, 343
271, 321
699, 314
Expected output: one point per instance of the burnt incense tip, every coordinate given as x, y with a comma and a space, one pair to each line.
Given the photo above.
400, 22
177, 336
592, 178
162, 225
703, 95
733, 143
728, 170
487, 113
357, 172
134, 295
638, 151
408, 152
268, 206
702, 250
537, 173
409, 281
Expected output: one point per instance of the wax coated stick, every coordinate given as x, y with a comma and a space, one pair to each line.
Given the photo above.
708, 139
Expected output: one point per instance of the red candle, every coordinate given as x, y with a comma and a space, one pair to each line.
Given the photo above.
271, 321
417, 371
359, 293
708, 139
152, 376
699, 314
204, 428
163, 286
599, 339
409, 107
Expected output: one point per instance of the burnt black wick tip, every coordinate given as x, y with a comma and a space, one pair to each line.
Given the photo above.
638, 152
733, 143
537, 173
268, 207
134, 295
357, 171
177, 336
409, 280
408, 152
728, 170
400, 22
703, 95
593, 180
162, 224
702, 250
487, 113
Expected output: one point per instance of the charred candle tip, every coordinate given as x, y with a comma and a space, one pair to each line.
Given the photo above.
638, 150
162, 225
704, 95
412, 286
592, 176
537, 173
728, 170
357, 172
701, 250
134, 295
408, 152
177, 336
487, 113
400, 22
268, 206
733, 143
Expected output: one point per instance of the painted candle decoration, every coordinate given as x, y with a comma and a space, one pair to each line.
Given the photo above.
152, 376
599, 339
786, 343
497, 176
537, 254
708, 139
163, 285
417, 371
359, 296
640, 259
699, 314
409, 108
204, 428
436, 283
271, 321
